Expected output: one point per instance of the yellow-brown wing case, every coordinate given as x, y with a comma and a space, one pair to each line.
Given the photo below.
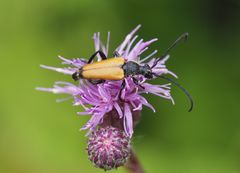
109, 69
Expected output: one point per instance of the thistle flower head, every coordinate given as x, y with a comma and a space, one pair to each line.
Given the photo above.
108, 148
98, 100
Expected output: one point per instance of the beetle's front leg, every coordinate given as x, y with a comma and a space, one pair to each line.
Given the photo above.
137, 83
116, 54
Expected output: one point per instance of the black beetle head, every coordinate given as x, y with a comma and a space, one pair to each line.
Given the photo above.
146, 71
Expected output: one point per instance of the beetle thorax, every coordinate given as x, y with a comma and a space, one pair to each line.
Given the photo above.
131, 68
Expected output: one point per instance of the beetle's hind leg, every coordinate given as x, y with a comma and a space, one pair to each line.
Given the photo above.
102, 55
96, 81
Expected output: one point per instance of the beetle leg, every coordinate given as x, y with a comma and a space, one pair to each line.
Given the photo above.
116, 54
102, 55
96, 81
120, 92
137, 83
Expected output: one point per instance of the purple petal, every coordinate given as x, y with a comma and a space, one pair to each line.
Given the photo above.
126, 52
93, 122
145, 102
127, 40
118, 108
128, 121
68, 71
105, 96
149, 56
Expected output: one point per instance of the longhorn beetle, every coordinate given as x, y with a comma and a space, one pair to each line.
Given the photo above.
117, 68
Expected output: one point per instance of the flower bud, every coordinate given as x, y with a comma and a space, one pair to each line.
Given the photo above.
108, 147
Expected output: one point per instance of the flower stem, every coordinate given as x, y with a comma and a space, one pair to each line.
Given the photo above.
133, 165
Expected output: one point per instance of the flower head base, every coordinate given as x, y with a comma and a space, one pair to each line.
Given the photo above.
108, 148
100, 99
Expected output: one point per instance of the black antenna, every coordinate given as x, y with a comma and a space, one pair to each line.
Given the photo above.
183, 37
180, 87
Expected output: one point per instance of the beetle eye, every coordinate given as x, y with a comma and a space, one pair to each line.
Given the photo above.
148, 75
147, 66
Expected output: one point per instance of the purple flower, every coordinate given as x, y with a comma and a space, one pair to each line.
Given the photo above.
98, 100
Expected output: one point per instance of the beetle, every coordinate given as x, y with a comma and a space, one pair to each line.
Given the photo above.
117, 68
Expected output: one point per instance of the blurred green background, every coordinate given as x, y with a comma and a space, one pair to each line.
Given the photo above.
38, 135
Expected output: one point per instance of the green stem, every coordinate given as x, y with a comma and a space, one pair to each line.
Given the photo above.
133, 165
